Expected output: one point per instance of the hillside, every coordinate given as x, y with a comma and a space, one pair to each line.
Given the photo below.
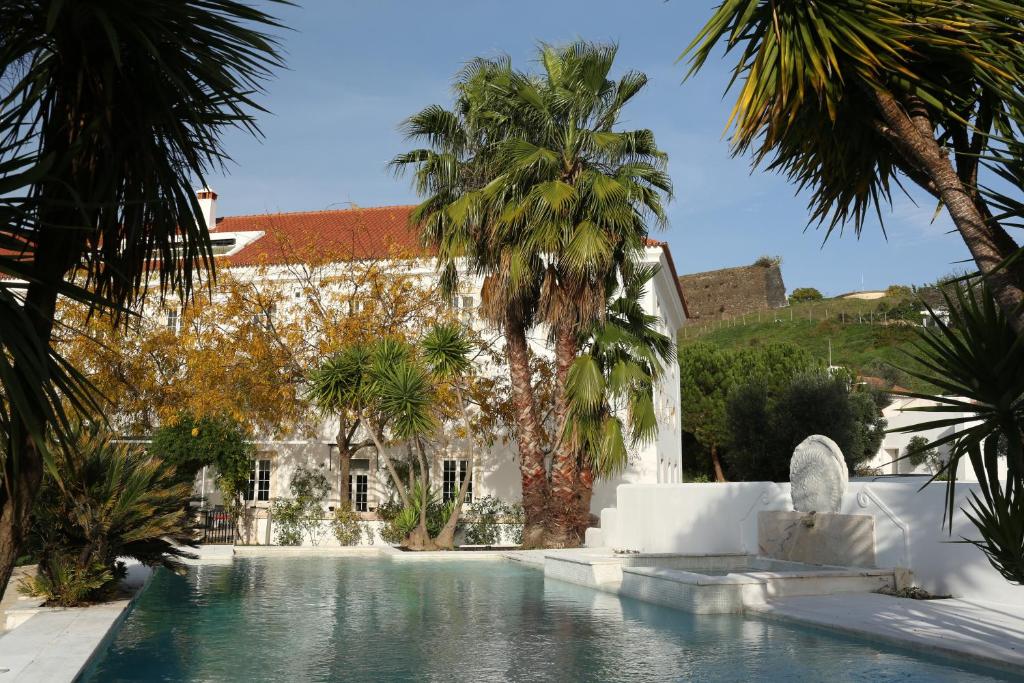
864, 337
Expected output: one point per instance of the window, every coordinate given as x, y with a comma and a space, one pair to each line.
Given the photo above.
464, 305
173, 322
357, 486
259, 481
451, 483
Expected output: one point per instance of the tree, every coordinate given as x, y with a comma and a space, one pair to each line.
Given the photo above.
529, 182
767, 423
802, 294
190, 443
102, 501
709, 377
848, 98
106, 120
977, 363
918, 453
706, 376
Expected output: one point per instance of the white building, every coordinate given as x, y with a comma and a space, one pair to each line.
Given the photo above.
375, 233
904, 412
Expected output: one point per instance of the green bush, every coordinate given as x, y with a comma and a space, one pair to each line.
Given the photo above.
347, 525
482, 523
301, 516
765, 426
802, 294
98, 502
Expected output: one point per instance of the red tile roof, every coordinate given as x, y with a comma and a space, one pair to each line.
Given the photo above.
370, 233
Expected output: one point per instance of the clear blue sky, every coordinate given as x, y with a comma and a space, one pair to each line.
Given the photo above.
356, 68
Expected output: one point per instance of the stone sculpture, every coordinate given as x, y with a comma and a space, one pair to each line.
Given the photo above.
817, 475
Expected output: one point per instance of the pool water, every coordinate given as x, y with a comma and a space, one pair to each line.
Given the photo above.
368, 619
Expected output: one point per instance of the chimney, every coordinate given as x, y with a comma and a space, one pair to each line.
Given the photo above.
208, 205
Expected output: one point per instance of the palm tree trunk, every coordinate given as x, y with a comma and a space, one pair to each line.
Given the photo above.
528, 435
911, 132
564, 503
395, 479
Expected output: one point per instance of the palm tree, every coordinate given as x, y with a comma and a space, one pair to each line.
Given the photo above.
611, 390
446, 350
457, 219
529, 183
845, 98
580, 194
108, 114
977, 363
339, 388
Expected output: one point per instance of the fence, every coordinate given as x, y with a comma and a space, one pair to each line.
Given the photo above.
697, 327
216, 527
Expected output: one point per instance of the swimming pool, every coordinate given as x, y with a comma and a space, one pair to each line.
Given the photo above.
369, 619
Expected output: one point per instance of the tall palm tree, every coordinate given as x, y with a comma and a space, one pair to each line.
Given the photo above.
454, 172
529, 183
577, 195
846, 98
110, 111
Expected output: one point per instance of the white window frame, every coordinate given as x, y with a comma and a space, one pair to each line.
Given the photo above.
450, 483
360, 499
258, 488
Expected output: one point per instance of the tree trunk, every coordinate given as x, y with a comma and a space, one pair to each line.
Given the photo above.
564, 503
395, 479
528, 435
424, 486
23, 466
911, 132
716, 462
344, 465
446, 539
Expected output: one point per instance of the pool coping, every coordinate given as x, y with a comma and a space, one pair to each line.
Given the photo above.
58, 644
877, 627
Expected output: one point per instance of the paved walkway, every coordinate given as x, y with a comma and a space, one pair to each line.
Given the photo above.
55, 645
989, 633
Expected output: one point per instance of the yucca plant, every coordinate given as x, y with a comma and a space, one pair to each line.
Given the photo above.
110, 112
977, 363
848, 98
102, 501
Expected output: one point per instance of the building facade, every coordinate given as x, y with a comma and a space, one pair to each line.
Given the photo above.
258, 246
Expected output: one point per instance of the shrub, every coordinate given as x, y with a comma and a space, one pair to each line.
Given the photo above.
347, 526
899, 292
390, 532
918, 453
482, 526
301, 515
801, 294
768, 261
100, 501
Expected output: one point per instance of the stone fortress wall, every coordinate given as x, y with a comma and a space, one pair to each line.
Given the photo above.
731, 292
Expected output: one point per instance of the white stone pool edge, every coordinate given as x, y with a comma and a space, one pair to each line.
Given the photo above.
59, 645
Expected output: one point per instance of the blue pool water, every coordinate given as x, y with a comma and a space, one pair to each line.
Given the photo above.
366, 619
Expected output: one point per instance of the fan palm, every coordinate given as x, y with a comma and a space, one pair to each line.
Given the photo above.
611, 390
977, 363
532, 184
845, 98
109, 111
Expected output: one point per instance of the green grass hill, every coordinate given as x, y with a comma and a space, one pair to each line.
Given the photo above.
871, 337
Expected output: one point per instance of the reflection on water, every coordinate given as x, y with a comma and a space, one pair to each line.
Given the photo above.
362, 619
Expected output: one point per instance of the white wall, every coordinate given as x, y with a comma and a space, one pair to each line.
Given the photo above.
696, 519
906, 412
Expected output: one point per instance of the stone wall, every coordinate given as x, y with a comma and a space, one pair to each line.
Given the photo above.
731, 292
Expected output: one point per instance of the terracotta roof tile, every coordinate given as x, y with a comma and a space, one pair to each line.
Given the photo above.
376, 232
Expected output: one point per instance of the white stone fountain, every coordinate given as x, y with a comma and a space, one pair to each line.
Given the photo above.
815, 531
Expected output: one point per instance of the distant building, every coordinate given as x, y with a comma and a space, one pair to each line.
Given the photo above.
731, 292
